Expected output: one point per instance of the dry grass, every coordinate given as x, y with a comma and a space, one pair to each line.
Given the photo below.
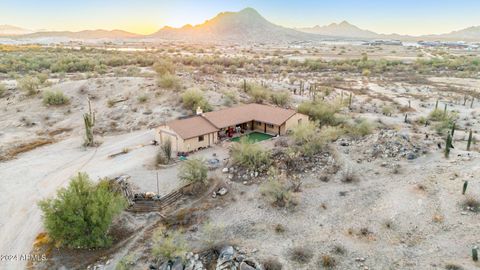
301, 255
25, 147
327, 261
272, 264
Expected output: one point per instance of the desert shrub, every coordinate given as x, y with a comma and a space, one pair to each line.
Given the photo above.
451, 266
54, 98
258, 93
169, 81
272, 264
250, 156
212, 236
349, 176
472, 203
168, 246
301, 255
230, 98
142, 98
280, 98
29, 85
331, 133
81, 214
126, 263
194, 171
436, 115
322, 112
327, 262
278, 191
193, 98
308, 139
387, 110
164, 66
42, 77
360, 128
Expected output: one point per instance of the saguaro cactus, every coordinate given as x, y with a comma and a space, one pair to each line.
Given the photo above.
350, 101
469, 143
465, 185
244, 85
448, 145
445, 111
453, 128
475, 253
89, 120
436, 105
471, 104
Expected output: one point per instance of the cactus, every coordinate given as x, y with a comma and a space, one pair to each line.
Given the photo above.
448, 145
465, 185
89, 120
445, 111
409, 104
453, 128
244, 85
465, 100
475, 254
469, 143
406, 118
471, 104
350, 101
436, 105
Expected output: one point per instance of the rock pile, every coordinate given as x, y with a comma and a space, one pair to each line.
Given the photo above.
388, 144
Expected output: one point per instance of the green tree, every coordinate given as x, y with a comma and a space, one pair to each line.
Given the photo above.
81, 214
194, 171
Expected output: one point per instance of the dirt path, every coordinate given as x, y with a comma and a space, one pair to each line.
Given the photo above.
39, 173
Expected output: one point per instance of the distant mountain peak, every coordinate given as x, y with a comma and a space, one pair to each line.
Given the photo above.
246, 25
342, 29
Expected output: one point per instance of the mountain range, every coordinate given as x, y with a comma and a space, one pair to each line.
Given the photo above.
243, 26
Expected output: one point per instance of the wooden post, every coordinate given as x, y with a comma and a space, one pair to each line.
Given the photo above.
158, 189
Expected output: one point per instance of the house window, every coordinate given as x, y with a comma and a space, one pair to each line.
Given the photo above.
270, 126
299, 121
201, 138
259, 123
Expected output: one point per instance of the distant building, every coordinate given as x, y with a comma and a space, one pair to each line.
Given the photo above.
205, 129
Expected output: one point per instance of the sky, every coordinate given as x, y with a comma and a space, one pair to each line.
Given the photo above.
413, 17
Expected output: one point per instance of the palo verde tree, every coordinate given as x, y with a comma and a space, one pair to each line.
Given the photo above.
81, 214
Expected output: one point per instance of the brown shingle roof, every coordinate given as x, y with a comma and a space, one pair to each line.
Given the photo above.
191, 127
212, 121
245, 113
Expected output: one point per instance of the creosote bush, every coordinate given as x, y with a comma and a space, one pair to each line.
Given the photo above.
280, 98
360, 128
194, 171
54, 98
308, 139
168, 246
29, 85
250, 156
278, 191
169, 81
81, 214
258, 93
193, 98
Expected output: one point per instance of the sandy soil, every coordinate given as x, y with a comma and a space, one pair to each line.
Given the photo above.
38, 174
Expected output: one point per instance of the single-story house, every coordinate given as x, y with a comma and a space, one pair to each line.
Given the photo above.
205, 129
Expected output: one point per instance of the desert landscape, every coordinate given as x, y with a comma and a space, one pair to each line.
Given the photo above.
381, 176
